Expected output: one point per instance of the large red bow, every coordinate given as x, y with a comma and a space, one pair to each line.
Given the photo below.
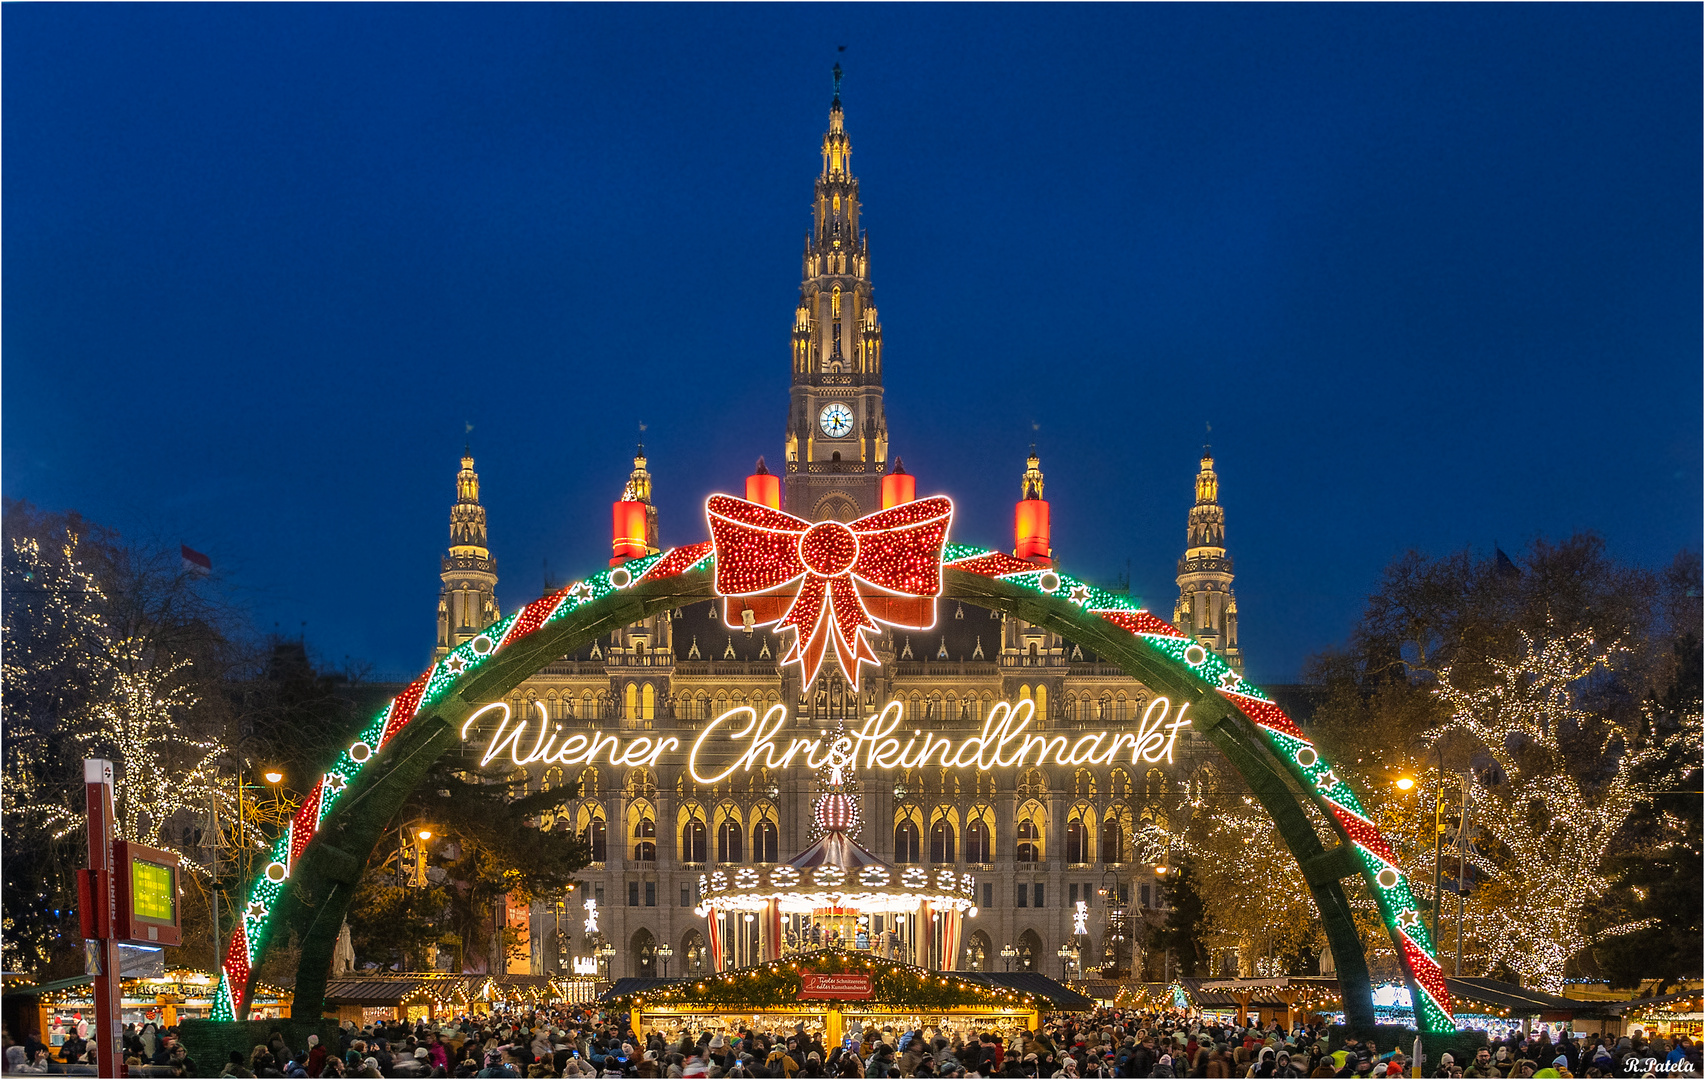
827, 581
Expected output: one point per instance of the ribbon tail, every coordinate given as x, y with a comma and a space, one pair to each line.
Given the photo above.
806, 618
851, 647
851, 657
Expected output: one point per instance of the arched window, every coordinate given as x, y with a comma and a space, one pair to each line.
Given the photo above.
906, 842
765, 841
1076, 842
941, 842
645, 840
648, 702
1029, 842
730, 845
1041, 701
693, 837
977, 845
1112, 841
595, 839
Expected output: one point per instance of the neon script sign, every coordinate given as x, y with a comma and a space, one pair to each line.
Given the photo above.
1005, 742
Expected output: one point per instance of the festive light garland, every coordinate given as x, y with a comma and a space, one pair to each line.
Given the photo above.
1391, 890
894, 984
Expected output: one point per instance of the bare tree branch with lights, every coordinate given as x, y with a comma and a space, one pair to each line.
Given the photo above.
1559, 787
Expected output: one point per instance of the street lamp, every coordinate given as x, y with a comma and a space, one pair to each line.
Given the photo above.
664, 952
1065, 954
1009, 954
607, 952
426, 834
274, 777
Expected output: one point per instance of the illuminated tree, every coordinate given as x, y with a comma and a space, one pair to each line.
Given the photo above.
102, 657
1551, 806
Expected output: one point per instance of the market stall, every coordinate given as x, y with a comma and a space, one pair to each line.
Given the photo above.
62, 1007
839, 993
1667, 1015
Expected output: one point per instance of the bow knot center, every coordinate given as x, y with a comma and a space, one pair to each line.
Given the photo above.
828, 548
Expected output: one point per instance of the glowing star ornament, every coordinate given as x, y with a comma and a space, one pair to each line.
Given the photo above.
591, 915
829, 582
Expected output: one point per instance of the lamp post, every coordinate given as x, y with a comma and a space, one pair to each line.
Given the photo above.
1065, 954
1009, 954
1406, 783
664, 952
561, 946
607, 953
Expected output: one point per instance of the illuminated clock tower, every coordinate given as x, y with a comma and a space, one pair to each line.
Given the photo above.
837, 436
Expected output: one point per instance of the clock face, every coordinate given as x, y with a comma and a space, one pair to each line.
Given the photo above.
836, 420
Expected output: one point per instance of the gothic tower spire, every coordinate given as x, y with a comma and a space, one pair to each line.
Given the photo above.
1207, 608
633, 532
837, 434
467, 601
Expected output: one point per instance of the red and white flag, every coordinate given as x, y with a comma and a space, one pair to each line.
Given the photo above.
194, 561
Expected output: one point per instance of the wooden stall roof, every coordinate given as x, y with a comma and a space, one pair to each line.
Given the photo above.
397, 988
1057, 994
1618, 1008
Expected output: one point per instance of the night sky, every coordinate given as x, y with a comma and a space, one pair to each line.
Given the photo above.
1431, 272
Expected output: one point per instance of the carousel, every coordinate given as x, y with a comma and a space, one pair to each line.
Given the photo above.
838, 895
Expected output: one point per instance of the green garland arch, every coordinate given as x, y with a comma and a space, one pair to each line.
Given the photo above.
314, 865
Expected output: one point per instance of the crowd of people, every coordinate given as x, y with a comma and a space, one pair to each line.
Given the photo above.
578, 1043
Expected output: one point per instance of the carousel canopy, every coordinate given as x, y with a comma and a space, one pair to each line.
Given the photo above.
837, 872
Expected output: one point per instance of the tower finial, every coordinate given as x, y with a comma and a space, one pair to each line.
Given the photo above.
837, 100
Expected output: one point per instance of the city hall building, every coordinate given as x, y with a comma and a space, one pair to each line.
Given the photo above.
1061, 856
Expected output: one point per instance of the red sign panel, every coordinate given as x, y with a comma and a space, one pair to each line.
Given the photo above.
835, 987
146, 881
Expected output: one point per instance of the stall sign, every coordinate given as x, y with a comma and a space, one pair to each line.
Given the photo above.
835, 987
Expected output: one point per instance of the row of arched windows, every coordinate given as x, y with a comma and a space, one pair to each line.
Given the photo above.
765, 841
731, 840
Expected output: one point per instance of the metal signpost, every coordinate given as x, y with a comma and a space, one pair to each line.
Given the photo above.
128, 895
97, 901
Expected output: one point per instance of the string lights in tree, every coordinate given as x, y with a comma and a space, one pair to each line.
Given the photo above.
1542, 831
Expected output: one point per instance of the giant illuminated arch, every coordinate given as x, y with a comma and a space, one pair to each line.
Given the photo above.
314, 866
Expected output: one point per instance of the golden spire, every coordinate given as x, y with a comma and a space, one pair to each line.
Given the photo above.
1031, 486
1207, 482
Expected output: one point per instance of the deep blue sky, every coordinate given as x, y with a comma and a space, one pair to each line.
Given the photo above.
1432, 273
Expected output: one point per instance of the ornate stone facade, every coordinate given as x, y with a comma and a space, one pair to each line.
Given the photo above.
1207, 608
1038, 840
